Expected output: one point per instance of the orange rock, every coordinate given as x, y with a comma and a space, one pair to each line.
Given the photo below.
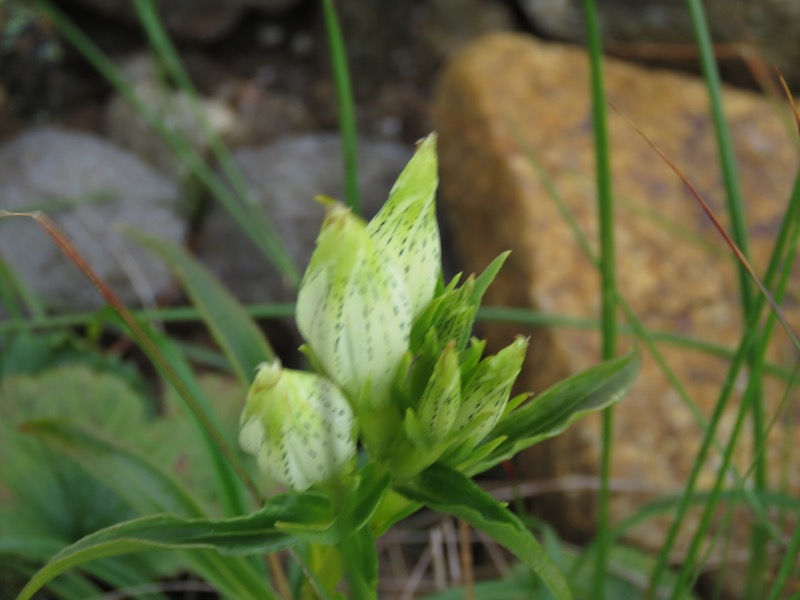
506, 99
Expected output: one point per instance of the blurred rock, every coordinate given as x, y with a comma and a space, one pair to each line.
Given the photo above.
770, 27
284, 177
126, 126
195, 20
91, 189
394, 50
508, 102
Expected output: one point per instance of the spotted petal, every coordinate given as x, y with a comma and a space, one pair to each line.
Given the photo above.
353, 308
299, 426
406, 230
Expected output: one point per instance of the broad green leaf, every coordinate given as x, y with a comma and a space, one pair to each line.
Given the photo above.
551, 412
49, 494
257, 533
453, 493
232, 327
145, 487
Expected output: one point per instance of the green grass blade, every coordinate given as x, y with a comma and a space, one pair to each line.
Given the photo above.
608, 307
181, 314
725, 147
177, 371
750, 339
234, 330
344, 98
15, 295
788, 563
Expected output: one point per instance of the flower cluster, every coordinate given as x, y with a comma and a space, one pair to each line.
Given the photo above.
396, 365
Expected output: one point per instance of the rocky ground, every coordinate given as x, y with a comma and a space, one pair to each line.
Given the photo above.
71, 144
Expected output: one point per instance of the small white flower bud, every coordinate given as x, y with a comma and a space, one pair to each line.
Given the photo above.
299, 425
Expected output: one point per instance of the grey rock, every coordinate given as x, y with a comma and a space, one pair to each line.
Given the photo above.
178, 112
91, 189
284, 177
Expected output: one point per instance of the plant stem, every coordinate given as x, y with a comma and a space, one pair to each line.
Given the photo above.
605, 206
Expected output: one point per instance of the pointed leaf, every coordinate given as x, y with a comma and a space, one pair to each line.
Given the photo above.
552, 411
257, 533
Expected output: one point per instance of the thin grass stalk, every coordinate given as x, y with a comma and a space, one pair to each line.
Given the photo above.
735, 203
787, 565
667, 505
725, 147
345, 104
749, 398
160, 41
746, 345
608, 310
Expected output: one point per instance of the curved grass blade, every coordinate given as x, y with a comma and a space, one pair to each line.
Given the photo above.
258, 533
450, 492
72, 585
143, 486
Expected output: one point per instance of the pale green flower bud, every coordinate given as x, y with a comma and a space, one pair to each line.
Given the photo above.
440, 401
406, 229
353, 308
487, 391
299, 426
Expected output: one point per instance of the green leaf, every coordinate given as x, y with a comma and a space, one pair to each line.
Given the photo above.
145, 487
232, 327
453, 493
486, 278
61, 500
36, 549
551, 412
257, 533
